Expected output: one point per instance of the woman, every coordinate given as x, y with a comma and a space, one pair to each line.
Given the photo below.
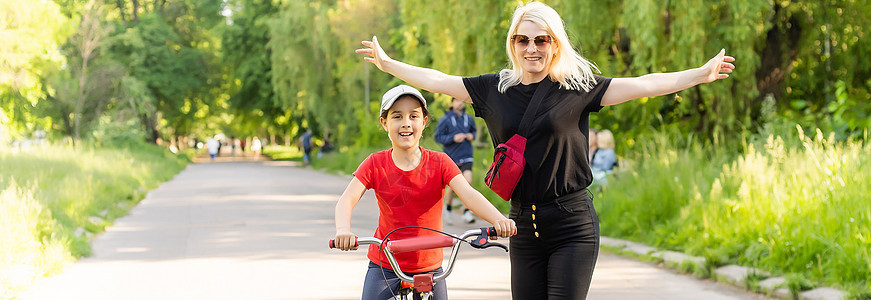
557, 243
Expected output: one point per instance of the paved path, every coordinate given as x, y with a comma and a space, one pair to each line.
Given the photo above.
259, 230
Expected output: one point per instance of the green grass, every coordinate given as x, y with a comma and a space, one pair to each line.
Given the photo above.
286, 153
793, 205
54, 199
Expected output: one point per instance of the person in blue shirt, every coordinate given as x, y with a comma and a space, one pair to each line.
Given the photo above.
605, 159
306, 142
456, 131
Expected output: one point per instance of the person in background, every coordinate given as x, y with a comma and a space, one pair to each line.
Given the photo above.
605, 158
326, 147
456, 131
256, 147
306, 142
213, 146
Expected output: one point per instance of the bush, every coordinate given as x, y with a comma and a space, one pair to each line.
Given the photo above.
791, 204
117, 133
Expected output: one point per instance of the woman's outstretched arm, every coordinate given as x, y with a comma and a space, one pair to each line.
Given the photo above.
657, 84
428, 79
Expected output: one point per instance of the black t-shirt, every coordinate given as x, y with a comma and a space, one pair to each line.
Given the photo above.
557, 161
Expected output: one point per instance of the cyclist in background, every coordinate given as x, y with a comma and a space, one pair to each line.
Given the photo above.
409, 183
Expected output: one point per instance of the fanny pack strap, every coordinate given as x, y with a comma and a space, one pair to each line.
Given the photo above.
537, 98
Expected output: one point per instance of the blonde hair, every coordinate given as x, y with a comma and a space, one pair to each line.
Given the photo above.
570, 69
605, 139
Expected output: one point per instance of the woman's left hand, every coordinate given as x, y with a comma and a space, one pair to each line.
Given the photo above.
718, 65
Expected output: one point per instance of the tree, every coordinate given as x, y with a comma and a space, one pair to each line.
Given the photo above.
247, 59
29, 41
92, 84
172, 50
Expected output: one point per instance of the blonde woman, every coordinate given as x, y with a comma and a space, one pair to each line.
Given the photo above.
557, 243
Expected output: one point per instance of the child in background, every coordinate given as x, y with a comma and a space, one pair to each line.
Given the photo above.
409, 183
605, 159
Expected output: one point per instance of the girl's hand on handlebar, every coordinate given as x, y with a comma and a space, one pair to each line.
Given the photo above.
505, 227
345, 240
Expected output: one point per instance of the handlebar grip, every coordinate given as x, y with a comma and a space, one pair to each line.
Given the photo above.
333, 243
491, 231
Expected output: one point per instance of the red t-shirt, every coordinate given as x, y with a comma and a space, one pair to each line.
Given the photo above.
408, 198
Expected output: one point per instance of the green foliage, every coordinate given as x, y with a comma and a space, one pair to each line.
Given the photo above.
791, 204
825, 79
317, 76
797, 283
155, 55
275, 67
118, 134
246, 51
54, 199
31, 36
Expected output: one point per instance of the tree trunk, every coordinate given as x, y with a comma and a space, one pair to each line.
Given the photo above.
149, 122
159, 4
64, 112
135, 11
67, 122
778, 55
120, 4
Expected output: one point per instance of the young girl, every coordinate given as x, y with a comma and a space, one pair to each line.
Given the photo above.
409, 183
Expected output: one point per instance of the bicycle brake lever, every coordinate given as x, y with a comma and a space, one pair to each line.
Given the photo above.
482, 242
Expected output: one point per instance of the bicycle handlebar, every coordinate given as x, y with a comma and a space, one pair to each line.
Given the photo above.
430, 242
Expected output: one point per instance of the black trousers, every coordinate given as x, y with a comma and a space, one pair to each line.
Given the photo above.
554, 253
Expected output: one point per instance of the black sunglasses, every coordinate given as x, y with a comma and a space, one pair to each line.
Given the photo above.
523, 40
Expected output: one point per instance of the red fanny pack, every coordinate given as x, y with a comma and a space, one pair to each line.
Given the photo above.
508, 160
507, 167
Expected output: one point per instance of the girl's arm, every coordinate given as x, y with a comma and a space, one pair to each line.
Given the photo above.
428, 79
345, 239
657, 84
476, 202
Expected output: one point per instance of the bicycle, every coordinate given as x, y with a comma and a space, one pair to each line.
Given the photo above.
423, 283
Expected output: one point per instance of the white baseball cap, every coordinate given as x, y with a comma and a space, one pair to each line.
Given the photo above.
393, 94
